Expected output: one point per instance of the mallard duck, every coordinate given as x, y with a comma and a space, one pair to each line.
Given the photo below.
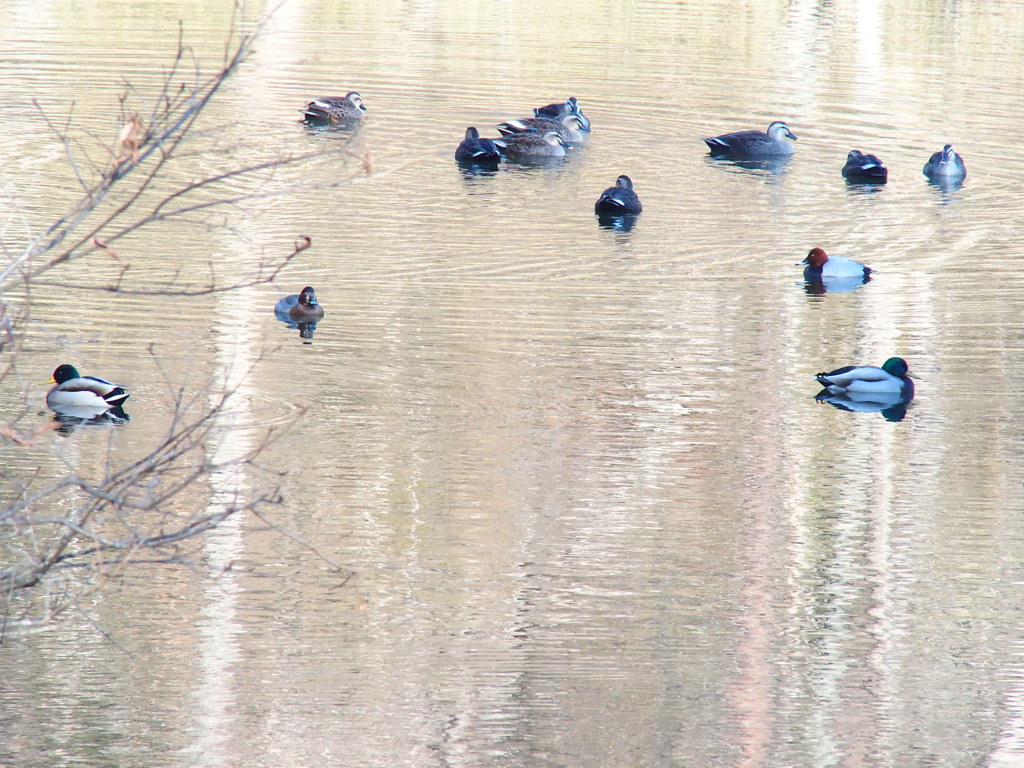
864, 168
568, 127
473, 149
557, 110
946, 165
892, 379
754, 143
821, 266
335, 109
526, 146
73, 390
619, 200
302, 307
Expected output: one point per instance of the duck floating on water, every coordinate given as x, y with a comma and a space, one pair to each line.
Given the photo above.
821, 266
619, 200
946, 165
864, 168
72, 390
335, 109
531, 146
473, 149
753, 143
892, 380
568, 127
301, 307
559, 109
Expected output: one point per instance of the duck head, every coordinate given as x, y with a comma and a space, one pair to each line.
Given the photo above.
816, 258
779, 130
307, 297
897, 366
64, 373
356, 99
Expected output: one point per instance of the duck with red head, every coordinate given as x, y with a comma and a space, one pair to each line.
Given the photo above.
821, 266
300, 308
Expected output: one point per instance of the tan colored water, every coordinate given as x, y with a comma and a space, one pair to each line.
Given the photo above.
593, 513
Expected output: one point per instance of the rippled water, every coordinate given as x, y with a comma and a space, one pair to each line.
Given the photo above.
588, 510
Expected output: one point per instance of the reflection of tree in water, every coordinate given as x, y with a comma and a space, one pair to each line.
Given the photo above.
108, 514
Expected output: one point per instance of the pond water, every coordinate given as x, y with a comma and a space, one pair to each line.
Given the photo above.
587, 509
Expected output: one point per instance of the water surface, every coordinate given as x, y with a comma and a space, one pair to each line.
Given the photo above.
588, 510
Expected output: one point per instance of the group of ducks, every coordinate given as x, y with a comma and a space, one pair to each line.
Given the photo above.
552, 129
945, 166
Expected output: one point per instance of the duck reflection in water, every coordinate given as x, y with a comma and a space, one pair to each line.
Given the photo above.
69, 417
775, 166
893, 408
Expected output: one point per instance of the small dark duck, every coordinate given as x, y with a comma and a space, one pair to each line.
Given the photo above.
619, 200
473, 149
301, 307
865, 168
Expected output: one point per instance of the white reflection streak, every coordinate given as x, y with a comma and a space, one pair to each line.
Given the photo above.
218, 630
868, 55
1009, 752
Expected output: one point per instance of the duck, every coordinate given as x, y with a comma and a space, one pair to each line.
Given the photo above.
892, 379
473, 149
72, 390
335, 109
558, 109
531, 145
754, 143
821, 266
568, 127
619, 200
946, 165
301, 307
864, 168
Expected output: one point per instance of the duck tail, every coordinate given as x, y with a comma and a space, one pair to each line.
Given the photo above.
116, 396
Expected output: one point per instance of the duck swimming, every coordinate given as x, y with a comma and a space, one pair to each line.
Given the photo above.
335, 109
893, 379
302, 307
558, 110
821, 266
864, 168
73, 390
568, 127
753, 143
531, 145
946, 165
473, 149
619, 200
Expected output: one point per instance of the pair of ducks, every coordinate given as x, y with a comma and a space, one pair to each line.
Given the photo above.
946, 165
552, 129
892, 380
89, 396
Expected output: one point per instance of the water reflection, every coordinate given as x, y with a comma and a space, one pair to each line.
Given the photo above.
892, 408
618, 223
70, 416
823, 285
762, 166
